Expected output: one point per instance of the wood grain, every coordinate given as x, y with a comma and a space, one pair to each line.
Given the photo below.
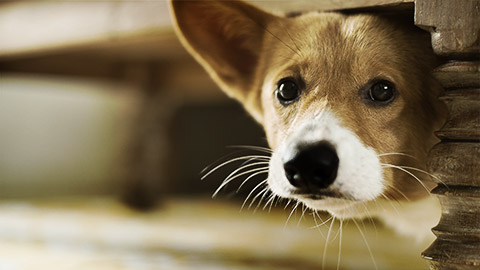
454, 162
454, 25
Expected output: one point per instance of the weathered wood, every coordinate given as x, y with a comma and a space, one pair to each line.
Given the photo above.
454, 162
463, 122
462, 83
459, 74
454, 25
452, 254
454, 215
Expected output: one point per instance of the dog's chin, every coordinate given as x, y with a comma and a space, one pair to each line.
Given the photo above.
335, 205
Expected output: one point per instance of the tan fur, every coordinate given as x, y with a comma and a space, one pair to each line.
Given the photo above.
247, 51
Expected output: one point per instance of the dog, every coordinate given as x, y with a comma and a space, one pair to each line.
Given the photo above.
347, 101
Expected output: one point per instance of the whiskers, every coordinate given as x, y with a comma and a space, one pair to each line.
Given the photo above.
410, 171
403, 169
251, 165
248, 168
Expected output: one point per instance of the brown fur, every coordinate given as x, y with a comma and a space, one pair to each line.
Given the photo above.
247, 51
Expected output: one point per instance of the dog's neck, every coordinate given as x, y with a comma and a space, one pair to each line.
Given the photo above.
414, 218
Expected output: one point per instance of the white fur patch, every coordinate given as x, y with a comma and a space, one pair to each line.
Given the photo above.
359, 176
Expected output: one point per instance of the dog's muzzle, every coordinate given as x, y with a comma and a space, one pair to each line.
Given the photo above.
311, 167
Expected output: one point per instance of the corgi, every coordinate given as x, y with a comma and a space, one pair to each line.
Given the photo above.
347, 101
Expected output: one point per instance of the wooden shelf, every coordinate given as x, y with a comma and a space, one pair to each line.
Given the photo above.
99, 233
121, 28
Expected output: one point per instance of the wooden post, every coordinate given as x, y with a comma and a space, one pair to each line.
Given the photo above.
455, 29
147, 164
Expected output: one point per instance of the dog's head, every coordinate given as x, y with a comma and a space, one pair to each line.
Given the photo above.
347, 101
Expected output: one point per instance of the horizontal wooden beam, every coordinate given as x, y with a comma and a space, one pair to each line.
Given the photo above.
130, 28
29, 27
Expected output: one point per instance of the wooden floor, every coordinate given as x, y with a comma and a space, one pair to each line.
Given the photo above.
100, 233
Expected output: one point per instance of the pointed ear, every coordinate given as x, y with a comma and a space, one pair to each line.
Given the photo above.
226, 38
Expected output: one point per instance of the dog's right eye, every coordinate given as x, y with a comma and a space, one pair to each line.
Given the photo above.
287, 91
382, 91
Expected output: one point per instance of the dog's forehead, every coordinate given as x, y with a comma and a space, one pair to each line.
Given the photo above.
333, 50
333, 37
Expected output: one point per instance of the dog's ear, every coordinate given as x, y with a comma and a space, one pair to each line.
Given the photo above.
226, 38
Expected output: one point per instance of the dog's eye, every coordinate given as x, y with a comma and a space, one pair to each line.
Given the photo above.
382, 91
287, 91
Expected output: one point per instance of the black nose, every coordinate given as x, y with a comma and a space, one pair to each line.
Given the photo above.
312, 166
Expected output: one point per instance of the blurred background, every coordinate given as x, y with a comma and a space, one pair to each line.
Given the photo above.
106, 124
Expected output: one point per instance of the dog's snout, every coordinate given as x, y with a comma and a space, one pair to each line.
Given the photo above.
312, 167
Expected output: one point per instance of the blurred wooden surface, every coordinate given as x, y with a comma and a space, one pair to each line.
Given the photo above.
126, 29
187, 234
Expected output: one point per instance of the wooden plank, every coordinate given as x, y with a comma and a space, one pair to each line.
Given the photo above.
139, 27
99, 233
309, 5
29, 27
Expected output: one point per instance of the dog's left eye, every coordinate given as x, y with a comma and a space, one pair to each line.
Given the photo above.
287, 91
382, 91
